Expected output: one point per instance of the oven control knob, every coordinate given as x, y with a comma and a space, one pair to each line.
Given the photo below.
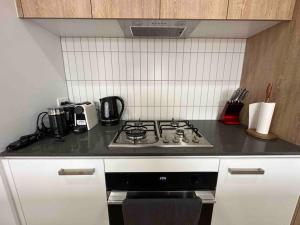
195, 139
166, 140
176, 140
186, 140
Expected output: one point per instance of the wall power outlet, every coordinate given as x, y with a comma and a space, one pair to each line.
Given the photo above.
60, 100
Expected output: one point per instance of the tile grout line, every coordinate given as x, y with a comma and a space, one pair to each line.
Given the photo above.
64, 64
133, 71
168, 84
112, 68
216, 76
175, 66
196, 74
92, 83
188, 91
150, 51
203, 64
98, 73
76, 67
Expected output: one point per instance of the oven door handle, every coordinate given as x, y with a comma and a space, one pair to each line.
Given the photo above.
117, 197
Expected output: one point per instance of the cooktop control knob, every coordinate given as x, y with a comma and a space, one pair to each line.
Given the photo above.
166, 140
176, 140
185, 140
195, 139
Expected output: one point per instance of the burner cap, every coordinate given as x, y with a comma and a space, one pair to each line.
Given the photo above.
180, 132
135, 133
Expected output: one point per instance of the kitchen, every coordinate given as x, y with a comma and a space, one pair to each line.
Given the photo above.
178, 140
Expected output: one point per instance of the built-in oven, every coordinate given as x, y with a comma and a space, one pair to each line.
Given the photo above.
160, 185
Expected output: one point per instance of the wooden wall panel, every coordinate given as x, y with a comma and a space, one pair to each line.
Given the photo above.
274, 56
296, 217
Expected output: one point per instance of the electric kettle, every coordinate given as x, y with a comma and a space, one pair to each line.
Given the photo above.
109, 110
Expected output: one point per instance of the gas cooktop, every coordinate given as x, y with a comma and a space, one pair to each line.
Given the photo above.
161, 133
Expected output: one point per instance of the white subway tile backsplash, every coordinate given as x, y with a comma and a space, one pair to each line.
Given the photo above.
69, 44
157, 78
99, 44
195, 45
92, 44
84, 44
63, 44
79, 66
166, 45
114, 44
216, 45
209, 45
106, 44
187, 45
230, 45
179, 66
186, 66
180, 45
223, 45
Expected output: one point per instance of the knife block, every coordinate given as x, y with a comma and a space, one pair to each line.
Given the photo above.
231, 113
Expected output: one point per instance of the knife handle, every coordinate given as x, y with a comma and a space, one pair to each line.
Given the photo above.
268, 92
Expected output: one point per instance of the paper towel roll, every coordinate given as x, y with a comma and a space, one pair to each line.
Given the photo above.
265, 117
253, 114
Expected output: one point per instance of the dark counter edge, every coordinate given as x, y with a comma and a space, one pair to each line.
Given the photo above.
227, 141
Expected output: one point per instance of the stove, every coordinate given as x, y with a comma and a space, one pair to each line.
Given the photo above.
161, 133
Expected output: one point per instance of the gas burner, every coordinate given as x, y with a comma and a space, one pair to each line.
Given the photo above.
135, 133
180, 132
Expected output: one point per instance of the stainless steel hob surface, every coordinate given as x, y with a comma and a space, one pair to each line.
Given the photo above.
161, 133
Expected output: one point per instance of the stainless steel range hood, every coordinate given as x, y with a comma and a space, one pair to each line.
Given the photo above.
158, 28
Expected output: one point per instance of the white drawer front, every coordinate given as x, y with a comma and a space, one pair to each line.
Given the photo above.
162, 165
60, 191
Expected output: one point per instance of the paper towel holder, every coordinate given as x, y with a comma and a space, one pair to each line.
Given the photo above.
263, 135
269, 136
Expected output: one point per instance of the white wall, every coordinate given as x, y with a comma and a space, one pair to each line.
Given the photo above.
157, 78
31, 73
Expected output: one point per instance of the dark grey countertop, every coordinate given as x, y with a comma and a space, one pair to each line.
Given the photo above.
227, 140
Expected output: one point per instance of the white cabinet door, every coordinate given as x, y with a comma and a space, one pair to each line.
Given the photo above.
8, 214
253, 198
74, 196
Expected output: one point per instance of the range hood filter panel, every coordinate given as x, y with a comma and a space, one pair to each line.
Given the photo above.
166, 32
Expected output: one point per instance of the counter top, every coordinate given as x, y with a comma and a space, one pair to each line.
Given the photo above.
227, 140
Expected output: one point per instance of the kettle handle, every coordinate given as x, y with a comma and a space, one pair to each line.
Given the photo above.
101, 103
123, 105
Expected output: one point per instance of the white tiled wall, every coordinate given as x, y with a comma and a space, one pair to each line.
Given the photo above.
157, 78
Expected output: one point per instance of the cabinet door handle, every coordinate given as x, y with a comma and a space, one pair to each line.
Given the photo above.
74, 172
246, 171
